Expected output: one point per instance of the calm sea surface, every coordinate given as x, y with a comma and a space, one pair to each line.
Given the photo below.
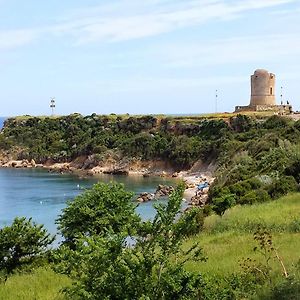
42, 195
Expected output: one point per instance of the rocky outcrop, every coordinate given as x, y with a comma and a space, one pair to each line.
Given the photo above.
19, 164
163, 190
117, 171
145, 197
199, 200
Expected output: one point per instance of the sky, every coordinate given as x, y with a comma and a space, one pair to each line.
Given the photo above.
144, 56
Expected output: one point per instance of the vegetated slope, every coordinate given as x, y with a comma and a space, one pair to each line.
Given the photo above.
257, 159
42, 284
228, 239
146, 137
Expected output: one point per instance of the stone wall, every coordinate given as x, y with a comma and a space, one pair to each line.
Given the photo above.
284, 109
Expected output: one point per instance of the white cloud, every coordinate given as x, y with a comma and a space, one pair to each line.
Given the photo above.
135, 19
247, 49
118, 24
15, 38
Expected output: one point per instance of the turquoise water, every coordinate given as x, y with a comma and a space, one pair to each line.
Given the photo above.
42, 195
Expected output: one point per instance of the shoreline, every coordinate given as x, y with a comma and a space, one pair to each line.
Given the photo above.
192, 178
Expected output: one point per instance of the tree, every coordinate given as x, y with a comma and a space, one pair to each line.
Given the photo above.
107, 267
106, 208
221, 204
22, 243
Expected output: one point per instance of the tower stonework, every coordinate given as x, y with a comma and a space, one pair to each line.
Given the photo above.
262, 88
263, 94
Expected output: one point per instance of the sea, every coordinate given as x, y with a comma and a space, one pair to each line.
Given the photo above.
41, 195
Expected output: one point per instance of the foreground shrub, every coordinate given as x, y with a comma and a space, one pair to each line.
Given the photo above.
102, 209
191, 222
21, 244
152, 267
289, 289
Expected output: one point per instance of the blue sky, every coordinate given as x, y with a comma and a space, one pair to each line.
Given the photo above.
144, 56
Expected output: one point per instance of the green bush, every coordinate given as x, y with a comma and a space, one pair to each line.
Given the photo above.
276, 122
106, 267
289, 289
22, 243
255, 196
294, 170
221, 204
104, 209
241, 123
191, 222
282, 186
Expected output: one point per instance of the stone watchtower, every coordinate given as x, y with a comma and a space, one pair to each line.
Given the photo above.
263, 95
262, 88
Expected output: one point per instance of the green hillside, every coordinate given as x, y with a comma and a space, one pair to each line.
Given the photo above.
226, 241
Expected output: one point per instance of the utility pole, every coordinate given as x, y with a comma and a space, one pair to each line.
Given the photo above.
216, 101
52, 105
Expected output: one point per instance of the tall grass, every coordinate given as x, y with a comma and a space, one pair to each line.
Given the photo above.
228, 240
282, 215
42, 284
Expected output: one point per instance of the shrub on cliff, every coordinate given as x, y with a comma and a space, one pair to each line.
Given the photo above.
276, 122
241, 123
283, 185
184, 151
255, 196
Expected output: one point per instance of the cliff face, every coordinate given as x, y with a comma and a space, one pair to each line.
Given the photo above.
176, 142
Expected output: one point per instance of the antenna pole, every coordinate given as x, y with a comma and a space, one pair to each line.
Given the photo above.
52, 105
216, 101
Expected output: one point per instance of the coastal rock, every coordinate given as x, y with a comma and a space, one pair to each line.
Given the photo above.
13, 164
163, 190
199, 200
33, 163
117, 171
25, 164
145, 197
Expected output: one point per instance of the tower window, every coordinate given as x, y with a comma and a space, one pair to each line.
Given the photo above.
271, 90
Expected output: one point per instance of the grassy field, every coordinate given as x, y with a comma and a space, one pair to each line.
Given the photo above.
229, 239
41, 284
226, 241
